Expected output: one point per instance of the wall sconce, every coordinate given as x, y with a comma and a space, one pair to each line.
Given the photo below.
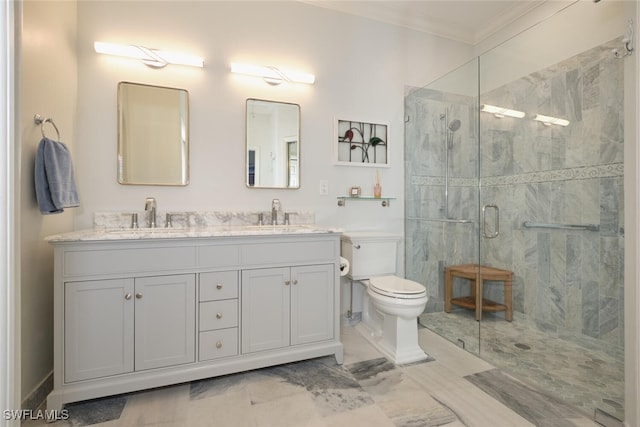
273, 75
151, 57
548, 121
501, 112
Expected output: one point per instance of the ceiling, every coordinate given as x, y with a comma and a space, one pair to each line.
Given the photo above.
468, 21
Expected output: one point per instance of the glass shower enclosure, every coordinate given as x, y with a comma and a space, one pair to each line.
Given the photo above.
514, 170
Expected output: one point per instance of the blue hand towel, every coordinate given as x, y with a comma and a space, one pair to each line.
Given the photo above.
54, 179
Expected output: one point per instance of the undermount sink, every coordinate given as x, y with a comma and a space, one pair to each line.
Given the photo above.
170, 230
278, 227
144, 230
210, 231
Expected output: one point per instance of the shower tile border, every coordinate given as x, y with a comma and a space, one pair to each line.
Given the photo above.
584, 172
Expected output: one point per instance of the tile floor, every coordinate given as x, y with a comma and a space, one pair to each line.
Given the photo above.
588, 375
454, 389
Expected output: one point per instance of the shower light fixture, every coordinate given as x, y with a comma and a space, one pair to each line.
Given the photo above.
501, 112
548, 121
151, 57
273, 75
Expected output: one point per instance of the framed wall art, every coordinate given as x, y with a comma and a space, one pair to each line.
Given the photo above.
358, 143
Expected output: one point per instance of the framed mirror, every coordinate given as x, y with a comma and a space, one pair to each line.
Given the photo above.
153, 135
272, 144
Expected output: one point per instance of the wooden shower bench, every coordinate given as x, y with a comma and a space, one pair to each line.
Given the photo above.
477, 275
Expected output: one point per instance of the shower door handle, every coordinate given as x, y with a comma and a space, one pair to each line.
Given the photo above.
496, 230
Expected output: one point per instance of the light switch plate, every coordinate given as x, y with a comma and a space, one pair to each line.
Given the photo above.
324, 187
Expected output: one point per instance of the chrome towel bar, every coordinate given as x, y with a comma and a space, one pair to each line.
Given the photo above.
456, 221
589, 227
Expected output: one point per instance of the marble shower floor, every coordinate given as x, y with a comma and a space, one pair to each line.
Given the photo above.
584, 376
454, 389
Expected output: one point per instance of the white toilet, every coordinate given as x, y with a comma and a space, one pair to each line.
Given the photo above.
391, 304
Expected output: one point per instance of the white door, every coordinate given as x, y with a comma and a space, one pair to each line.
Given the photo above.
312, 302
98, 328
265, 309
165, 324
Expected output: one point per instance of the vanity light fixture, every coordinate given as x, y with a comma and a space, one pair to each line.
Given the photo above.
501, 112
273, 75
151, 57
548, 121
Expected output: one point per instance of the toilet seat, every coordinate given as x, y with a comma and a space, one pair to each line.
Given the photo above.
397, 287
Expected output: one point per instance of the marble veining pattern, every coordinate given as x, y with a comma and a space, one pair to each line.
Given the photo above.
568, 283
539, 408
117, 226
456, 389
189, 233
196, 219
584, 172
584, 372
96, 411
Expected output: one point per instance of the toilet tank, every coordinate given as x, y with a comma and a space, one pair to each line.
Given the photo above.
369, 253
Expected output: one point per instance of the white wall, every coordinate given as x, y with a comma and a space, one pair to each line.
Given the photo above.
361, 68
544, 43
48, 88
548, 43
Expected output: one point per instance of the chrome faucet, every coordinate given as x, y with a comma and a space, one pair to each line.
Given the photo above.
150, 205
275, 208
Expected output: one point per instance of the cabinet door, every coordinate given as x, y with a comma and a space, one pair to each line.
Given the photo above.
265, 309
165, 323
98, 328
312, 303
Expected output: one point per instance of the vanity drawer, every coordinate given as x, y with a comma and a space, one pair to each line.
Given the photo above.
217, 344
218, 285
218, 314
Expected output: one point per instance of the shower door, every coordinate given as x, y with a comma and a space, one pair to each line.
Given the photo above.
514, 162
551, 207
442, 198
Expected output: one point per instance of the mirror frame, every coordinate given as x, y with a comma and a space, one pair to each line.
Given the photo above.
288, 141
183, 111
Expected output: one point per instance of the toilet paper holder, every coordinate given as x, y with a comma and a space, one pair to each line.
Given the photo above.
344, 266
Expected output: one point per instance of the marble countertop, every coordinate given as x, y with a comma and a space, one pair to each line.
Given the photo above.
189, 232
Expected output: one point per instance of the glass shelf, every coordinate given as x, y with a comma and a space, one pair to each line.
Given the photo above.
386, 201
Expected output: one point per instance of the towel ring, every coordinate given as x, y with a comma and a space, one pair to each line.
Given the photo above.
41, 121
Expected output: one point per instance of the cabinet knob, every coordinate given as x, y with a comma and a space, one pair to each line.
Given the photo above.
138, 295
219, 286
287, 282
127, 296
219, 344
219, 316
295, 281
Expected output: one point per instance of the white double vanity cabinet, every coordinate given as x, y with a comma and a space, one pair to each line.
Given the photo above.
141, 309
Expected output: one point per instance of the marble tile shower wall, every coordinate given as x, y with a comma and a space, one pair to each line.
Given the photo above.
566, 281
